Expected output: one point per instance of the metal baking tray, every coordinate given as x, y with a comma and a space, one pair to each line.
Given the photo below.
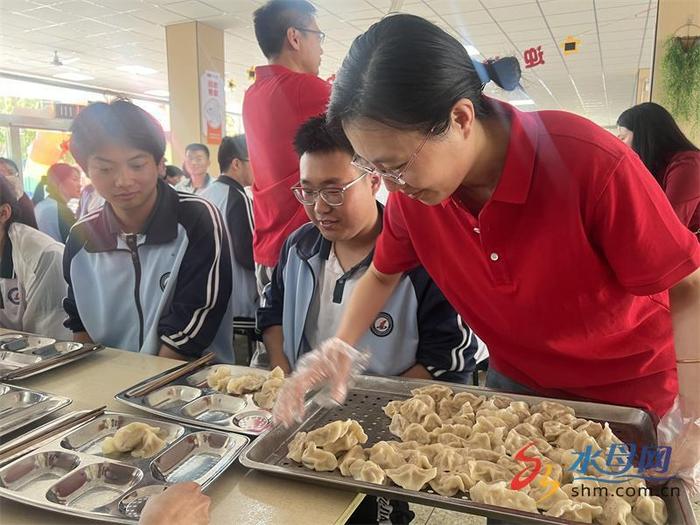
69, 474
37, 354
364, 404
21, 406
189, 399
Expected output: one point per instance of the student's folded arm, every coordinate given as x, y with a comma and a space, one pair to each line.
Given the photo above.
269, 316
446, 345
72, 321
203, 289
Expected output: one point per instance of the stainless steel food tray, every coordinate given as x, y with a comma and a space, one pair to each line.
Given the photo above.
23, 355
364, 404
69, 474
21, 406
190, 400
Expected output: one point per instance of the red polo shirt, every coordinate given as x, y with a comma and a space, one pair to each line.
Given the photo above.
274, 107
564, 272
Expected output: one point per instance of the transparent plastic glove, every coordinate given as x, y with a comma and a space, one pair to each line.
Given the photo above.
181, 504
682, 434
333, 365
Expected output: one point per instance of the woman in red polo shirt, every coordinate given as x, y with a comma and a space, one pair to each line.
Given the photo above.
544, 231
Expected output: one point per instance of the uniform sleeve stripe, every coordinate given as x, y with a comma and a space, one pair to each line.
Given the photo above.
199, 316
249, 209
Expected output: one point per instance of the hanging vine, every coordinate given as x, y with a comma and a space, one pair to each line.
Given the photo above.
681, 76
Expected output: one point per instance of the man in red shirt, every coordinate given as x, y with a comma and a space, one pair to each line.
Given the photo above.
286, 93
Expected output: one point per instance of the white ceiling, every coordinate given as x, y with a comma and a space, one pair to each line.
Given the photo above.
95, 37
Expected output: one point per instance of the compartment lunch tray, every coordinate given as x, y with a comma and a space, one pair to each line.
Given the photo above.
190, 400
21, 406
364, 404
69, 474
36, 354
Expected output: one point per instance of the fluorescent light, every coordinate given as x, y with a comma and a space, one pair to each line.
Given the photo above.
138, 70
76, 77
522, 102
158, 93
472, 51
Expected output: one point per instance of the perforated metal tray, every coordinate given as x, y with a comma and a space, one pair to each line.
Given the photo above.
190, 400
21, 406
69, 474
364, 404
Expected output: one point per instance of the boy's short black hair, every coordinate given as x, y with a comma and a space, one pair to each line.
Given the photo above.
120, 121
173, 171
232, 148
272, 20
315, 136
196, 146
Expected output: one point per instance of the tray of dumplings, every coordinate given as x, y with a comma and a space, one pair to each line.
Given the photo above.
23, 355
21, 406
222, 397
107, 468
460, 447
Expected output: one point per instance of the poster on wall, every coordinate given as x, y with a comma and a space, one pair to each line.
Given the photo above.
213, 107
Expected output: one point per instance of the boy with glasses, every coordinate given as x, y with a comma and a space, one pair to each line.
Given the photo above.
417, 334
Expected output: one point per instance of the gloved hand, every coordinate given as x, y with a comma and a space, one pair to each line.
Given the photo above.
180, 504
681, 432
333, 364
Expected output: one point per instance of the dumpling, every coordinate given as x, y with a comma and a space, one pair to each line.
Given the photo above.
552, 408
537, 419
267, 395
521, 408
296, 447
528, 430
553, 429
398, 425
575, 511
514, 442
392, 408
349, 458
410, 476
631, 489
479, 440
451, 440
617, 511
317, 459
416, 432
651, 510
414, 410
469, 398
566, 439
540, 489
488, 424
449, 459
449, 407
427, 400
585, 491
384, 455
498, 494
489, 472
404, 445
484, 454
431, 451
218, 378
328, 433
497, 402
367, 471
462, 431
245, 383
448, 483
606, 438
591, 427
431, 422
568, 419
353, 435
437, 392
416, 458
507, 416
138, 438
584, 442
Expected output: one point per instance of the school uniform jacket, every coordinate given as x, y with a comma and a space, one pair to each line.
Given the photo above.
170, 285
416, 325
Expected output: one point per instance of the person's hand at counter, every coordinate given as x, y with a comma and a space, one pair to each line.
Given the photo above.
181, 504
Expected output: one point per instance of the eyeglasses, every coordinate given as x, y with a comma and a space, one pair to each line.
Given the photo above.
334, 197
394, 176
321, 34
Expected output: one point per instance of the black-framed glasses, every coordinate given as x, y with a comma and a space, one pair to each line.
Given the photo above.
321, 34
334, 197
394, 176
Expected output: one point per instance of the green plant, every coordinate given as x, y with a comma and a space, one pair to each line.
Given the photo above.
681, 75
